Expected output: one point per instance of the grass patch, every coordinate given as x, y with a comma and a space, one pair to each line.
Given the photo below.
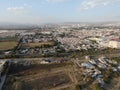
40, 44
8, 45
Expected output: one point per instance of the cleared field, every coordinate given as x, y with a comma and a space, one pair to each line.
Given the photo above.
8, 45
50, 81
38, 77
51, 43
38, 82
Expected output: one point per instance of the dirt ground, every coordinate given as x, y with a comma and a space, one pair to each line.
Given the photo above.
114, 85
39, 77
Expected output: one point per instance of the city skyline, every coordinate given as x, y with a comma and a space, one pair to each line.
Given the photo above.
53, 11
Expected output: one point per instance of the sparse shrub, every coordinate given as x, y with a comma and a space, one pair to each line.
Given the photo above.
97, 87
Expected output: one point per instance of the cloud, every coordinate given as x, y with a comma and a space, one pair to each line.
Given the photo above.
16, 9
88, 4
27, 6
20, 9
56, 0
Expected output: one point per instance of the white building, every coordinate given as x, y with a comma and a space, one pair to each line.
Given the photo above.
114, 44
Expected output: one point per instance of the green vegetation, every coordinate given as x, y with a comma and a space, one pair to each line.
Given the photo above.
108, 75
8, 38
97, 87
78, 87
8, 45
116, 59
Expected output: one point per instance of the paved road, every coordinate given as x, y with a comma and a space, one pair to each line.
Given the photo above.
3, 78
2, 81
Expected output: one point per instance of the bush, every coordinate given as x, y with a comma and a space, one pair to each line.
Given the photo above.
97, 87
78, 87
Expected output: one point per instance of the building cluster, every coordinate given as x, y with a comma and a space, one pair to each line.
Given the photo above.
68, 37
76, 44
68, 40
111, 41
86, 39
96, 68
32, 37
36, 51
40, 43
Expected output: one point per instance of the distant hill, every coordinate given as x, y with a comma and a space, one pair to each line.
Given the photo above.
14, 26
17, 26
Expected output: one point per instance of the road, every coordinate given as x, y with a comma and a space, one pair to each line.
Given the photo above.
2, 81
3, 78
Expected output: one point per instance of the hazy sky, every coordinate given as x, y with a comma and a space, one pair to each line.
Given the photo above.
42, 11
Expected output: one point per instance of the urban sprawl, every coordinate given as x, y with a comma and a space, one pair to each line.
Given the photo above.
61, 57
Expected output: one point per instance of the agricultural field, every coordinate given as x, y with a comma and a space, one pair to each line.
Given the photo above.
8, 45
51, 43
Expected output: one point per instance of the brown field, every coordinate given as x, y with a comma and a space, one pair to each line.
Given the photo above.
50, 81
51, 43
38, 82
38, 77
8, 45
29, 70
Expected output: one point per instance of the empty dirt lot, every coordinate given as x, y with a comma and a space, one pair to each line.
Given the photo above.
38, 77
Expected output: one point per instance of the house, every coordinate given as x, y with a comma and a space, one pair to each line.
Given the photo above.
114, 69
114, 44
93, 62
7, 52
101, 81
96, 72
100, 65
44, 62
87, 65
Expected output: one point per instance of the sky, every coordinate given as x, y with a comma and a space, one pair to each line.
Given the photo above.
54, 11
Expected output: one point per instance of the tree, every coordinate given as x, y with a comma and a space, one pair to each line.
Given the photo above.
97, 87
